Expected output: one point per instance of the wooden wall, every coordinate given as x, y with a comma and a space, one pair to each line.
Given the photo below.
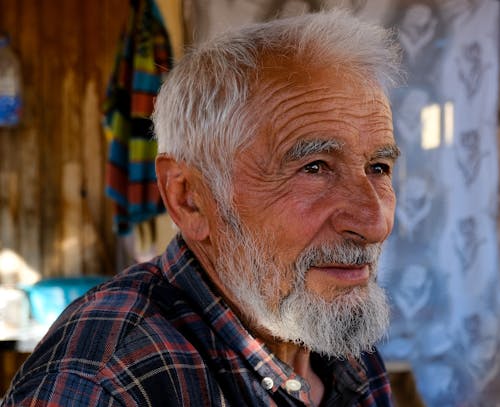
53, 211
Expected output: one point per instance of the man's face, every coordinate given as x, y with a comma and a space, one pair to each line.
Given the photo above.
313, 200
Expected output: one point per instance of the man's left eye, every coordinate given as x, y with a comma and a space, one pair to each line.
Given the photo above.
380, 168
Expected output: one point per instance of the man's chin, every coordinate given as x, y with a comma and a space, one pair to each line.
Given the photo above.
348, 324
334, 294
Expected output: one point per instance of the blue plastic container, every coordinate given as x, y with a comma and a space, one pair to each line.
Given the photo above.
49, 297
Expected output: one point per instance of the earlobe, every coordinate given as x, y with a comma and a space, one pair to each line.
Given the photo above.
179, 186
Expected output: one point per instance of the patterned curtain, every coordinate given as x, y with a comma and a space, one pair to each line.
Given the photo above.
441, 262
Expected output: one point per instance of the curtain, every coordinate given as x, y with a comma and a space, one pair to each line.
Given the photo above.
440, 265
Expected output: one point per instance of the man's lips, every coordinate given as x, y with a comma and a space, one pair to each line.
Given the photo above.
345, 275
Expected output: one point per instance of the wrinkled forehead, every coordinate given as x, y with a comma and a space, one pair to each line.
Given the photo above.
282, 85
282, 75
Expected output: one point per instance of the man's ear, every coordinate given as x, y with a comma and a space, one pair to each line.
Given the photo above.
178, 185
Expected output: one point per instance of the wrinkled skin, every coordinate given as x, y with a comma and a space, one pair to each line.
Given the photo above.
340, 190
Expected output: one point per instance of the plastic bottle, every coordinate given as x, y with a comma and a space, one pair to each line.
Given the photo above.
10, 85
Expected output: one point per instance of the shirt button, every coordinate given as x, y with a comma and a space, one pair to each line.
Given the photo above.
267, 383
293, 385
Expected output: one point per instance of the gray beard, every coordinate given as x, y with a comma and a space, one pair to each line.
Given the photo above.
352, 322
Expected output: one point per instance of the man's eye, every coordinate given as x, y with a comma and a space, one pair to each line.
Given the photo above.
314, 167
380, 168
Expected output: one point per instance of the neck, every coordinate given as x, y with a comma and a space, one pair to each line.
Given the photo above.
293, 355
299, 358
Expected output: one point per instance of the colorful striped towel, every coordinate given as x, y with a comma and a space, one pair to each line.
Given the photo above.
143, 59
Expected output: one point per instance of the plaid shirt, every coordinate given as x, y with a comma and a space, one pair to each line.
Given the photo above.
158, 335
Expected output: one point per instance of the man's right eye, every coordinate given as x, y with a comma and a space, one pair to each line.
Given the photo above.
314, 167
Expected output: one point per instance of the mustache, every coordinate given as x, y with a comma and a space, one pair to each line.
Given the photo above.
346, 253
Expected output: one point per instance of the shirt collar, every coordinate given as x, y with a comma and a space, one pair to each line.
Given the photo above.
181, 268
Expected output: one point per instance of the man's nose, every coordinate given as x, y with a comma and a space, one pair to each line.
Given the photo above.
365, 214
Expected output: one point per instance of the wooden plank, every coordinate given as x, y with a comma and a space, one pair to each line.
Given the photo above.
49, 57
71, 139
9, 17
114, 14
5, 219
9, 197
93, 159
9, 191
10, 362
96, 257
29, 221
114, 17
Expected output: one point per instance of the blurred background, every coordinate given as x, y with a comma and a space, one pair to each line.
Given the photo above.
78, 200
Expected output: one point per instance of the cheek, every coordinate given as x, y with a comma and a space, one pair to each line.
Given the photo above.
388, 200
289, 228
305, 216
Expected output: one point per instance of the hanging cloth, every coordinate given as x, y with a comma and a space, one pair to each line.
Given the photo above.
144, 57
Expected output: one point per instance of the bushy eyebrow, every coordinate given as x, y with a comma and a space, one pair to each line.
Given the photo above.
304, 148
390, 151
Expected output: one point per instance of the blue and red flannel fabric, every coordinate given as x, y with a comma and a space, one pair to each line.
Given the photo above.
143, 59
158, 335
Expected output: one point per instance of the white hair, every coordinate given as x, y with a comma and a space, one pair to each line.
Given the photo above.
202, 115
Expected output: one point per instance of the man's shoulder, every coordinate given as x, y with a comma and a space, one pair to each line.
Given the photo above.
129, 311
115, 336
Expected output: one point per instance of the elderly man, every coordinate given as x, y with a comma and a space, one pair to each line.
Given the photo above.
276, 152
